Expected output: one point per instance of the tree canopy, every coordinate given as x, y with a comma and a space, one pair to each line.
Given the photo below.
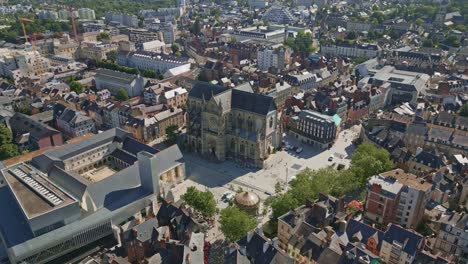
122, 95
235, 223
171, 133
7, 148
464, 110
202, 202
367, 160
302, 43
77, 87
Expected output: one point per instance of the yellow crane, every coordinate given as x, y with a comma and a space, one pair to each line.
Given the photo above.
33, 44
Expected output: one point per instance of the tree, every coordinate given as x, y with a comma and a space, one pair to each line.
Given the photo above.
103, 36
452, 41
202, 202
122, 95
428, 43
174, 48
112, 55
6, 137
351, 35
171, 133
149, 74
196, 27
369, 160
77, 87
235, 223
419, 22
464, 110
8, 151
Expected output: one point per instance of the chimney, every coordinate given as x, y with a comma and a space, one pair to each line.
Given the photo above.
147, 172
249, 236
275, 242
265, 246
259, 229
418, 150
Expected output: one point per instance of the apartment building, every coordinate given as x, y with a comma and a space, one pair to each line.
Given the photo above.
276, 57
86, 13
398, 197
313, 128
400, 245
452, 235
351, 50
279, 15
121, 19
96, 50
148, 60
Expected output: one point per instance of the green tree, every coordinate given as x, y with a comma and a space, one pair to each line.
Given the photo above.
235, 223
103, 36
202, 202
452, 41
196, 27
122, 95
150, 74
369, 160
174, 48
112, 55
283, 204
8, 151
464, 110
171, 133
419, 22
428, 43
351, 35
6, 137
77, 87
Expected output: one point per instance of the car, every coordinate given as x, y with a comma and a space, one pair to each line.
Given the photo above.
227, 196
299, 150
288, 147
330, 158
340, 166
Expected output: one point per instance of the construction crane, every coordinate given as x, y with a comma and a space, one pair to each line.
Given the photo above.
72, 17
37, 61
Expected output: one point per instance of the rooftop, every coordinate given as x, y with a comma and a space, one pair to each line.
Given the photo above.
34, 192
408, 179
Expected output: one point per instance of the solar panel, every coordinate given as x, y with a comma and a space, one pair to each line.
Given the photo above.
36, 186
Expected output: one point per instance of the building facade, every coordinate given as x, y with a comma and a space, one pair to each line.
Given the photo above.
313, 128
229, 123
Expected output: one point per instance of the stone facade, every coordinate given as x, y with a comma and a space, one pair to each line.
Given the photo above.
228, 123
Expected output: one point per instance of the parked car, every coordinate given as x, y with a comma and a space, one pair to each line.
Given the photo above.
330, 158
299, 150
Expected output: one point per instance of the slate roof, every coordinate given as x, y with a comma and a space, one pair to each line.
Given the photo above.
13, 224
68, 151
255, 103
254, 249
408, 239
236, 257
123, 156
429, 159
205, 90
366, 232
133, 146
145, 230
234, 98
440, 134
114, 76
417, 128
21, 123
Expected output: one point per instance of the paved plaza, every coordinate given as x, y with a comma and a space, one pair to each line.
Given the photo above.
282, 166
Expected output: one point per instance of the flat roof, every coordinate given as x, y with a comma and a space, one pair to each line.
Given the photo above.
35, 194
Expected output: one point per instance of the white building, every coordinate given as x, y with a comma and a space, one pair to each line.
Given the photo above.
22, 63
146, 60
279, 15
86, 13
276, 57
351, 50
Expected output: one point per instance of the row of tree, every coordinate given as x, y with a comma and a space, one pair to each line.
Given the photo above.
368, 160
7, 148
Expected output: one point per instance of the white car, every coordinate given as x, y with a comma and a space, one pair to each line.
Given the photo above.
299, 150
330, 158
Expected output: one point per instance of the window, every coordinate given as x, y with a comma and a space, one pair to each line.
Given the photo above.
271, 122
